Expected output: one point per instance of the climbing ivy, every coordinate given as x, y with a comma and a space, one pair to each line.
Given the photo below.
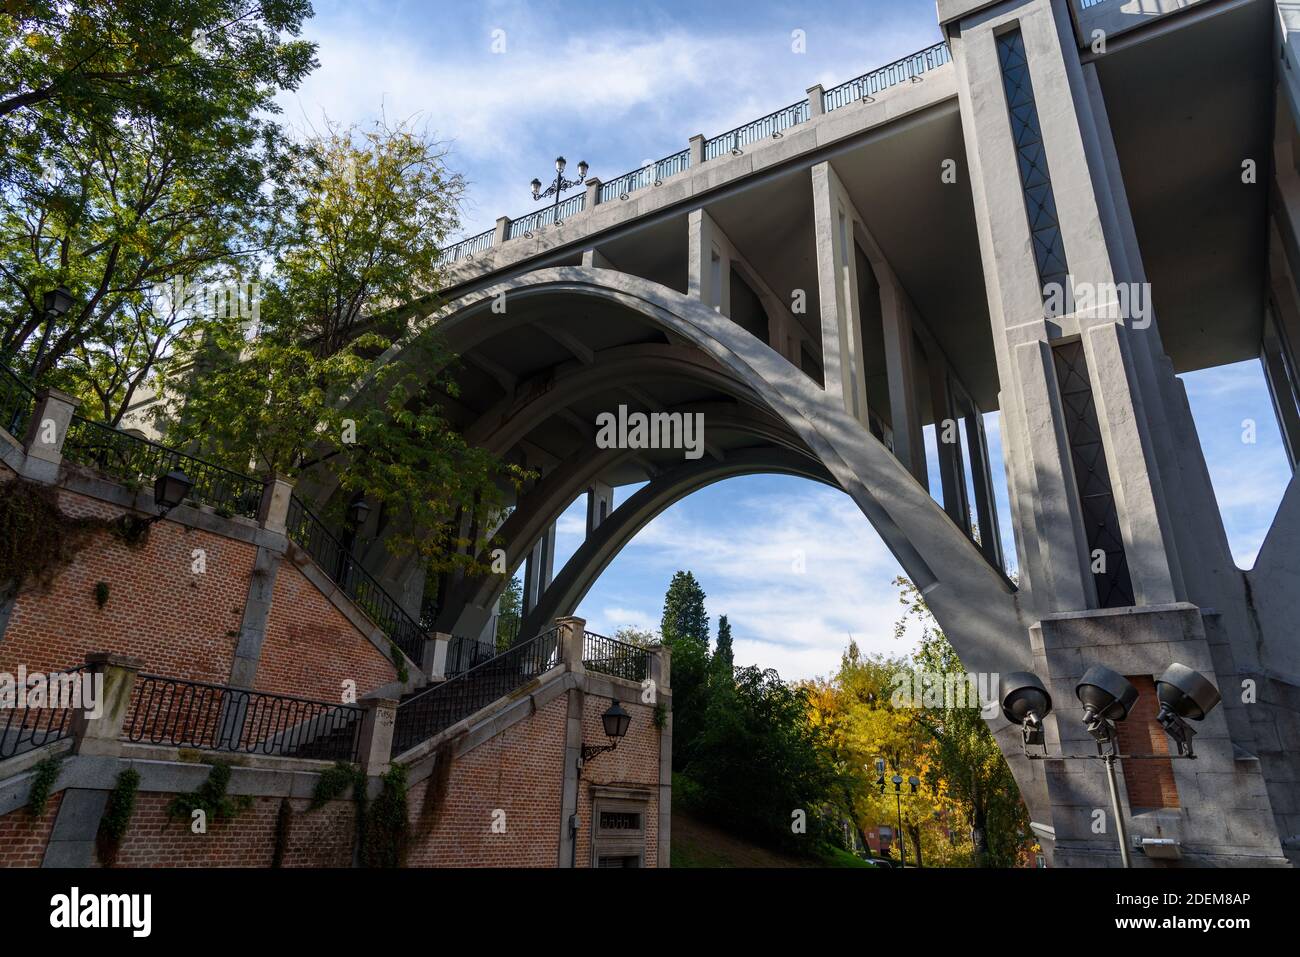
37, 538
384, 837
43, 777
399, 662
117, 816
333, 782
211, 798
283, 825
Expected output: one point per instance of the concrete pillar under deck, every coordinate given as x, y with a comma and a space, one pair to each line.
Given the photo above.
837, 290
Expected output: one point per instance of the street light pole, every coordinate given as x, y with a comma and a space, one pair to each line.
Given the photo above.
560, 184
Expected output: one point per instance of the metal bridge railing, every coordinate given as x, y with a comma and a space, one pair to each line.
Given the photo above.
424, 715
193, 714
609, 656
869, 84
137, 460
17, 402
547, 216
24, 729
762, 128
652, 175
307, 530
466, 248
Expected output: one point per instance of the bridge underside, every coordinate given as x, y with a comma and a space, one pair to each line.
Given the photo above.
830, 305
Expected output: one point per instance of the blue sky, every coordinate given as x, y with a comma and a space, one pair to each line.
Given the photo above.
619, 84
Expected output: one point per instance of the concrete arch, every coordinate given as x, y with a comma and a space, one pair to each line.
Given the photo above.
580, 572
468, 606
936, 555
974, 604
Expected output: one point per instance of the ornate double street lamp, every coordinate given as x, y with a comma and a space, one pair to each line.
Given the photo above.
560, 184
914, 783
1108, 697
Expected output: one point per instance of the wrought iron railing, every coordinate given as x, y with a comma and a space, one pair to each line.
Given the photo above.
609, 656
762, 128
17, 402
652, 175
546, 216
466, 653
136, 460
192, 714
307, 530
869, 84
466, 248
424, 715
24, 729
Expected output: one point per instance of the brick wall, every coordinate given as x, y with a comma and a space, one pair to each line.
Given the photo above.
321, 838
23, 837
178, 623
633, 764
311, 648
183, 624
521, 773
1149, 782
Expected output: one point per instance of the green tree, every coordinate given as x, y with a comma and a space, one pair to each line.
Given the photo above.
967, 756
509, 613
135, 139
305, 391
685, 630
724, 658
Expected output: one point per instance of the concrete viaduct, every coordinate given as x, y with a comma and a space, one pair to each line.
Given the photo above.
828, 281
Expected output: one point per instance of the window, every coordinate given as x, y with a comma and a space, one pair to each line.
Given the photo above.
618, 826
628, 860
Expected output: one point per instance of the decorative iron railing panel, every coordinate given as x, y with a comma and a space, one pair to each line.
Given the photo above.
17, 403
547, 216
24, 729
424, 715
466, 653
136, 460
311, 534
652, 175
765, 127
192, 714
869, 84
466, 248
609, 656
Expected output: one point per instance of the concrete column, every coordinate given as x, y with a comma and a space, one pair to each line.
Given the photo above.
593, 193
986, 509
816, 104
1091, 240
661, 674
102, 735
837, 289
273, 511
433, 662
257, 611
1284, 392
573, 634
697, 149
708, 269
376, 747
502, 231
539, 568
900, 368
600, 504
48, 427
952, 472
595, 259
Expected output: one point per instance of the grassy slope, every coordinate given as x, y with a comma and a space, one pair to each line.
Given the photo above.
696, 843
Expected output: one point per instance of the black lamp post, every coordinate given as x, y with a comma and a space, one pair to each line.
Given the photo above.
560, 184
616, 722
55, 304
358, 511
914, 783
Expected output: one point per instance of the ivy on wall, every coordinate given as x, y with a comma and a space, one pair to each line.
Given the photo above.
43, 777
117, 816
37, 538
